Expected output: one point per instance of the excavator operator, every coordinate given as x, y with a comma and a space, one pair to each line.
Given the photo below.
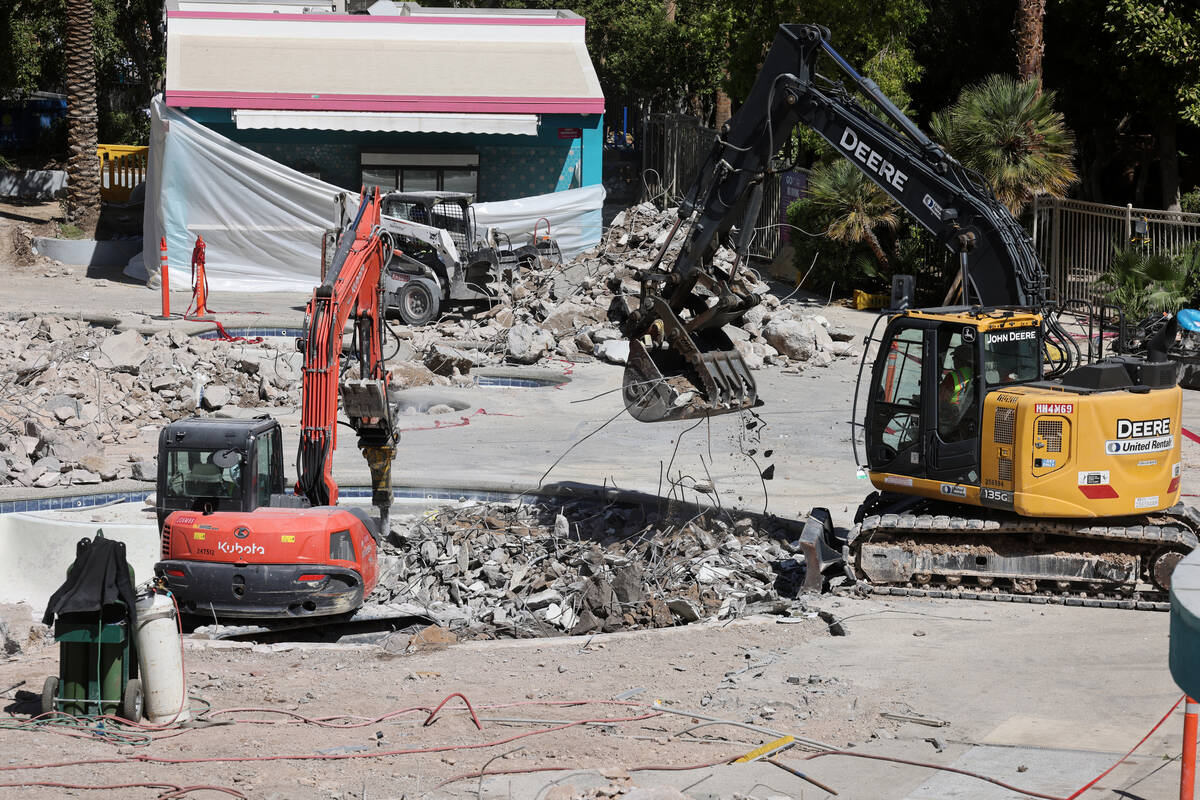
956, 391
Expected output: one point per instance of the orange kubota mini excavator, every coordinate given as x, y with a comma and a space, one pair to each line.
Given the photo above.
233, 543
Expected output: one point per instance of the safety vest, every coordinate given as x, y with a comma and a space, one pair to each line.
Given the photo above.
962, 381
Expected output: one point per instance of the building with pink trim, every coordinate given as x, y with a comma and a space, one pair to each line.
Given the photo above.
502, 103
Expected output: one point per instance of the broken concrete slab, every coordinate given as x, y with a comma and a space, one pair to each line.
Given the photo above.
614, 351
124, 352
444, 360
215, 397
527, 343
790, 337
145, 471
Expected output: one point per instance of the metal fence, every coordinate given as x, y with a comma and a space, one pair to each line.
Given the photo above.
674, 148
765, 243
1075, 240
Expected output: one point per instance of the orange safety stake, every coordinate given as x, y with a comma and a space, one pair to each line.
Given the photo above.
199, 282
165, 278
1187, 771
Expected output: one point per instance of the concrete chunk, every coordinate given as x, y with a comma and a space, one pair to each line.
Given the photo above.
542, 599
124, 352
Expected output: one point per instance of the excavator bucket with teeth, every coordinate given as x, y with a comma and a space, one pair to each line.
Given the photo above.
707, 377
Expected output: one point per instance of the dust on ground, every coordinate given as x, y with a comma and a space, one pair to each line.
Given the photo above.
20, 221
733, 671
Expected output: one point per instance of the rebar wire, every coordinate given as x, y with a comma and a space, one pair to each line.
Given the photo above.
566, 452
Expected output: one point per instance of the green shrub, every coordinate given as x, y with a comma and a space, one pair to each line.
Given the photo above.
1190, 202
1190, 258
1142, 283
825, 263
124, 127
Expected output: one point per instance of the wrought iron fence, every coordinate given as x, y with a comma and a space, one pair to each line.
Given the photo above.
675, 148
1075, 240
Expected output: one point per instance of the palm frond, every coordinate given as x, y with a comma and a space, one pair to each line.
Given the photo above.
1009, 133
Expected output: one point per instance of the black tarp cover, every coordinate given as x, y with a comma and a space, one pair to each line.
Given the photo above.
99, 578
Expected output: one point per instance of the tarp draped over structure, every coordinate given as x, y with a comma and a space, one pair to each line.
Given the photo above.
263, 222
573, 217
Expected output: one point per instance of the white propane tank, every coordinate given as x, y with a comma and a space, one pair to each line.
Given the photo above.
160, 660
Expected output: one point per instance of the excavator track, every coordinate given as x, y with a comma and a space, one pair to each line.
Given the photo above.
1123, 563
1137, 603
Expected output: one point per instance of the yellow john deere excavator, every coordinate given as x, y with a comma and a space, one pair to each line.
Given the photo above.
1005, 459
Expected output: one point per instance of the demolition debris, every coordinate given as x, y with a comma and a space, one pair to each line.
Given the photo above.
570, 311
81, 402
536, 569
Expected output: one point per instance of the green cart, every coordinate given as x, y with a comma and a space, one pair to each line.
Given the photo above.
97, 663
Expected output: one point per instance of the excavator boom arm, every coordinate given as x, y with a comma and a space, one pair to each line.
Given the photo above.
351, 289
677, 349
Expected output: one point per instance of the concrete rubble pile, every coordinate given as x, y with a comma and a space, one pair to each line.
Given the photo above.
83, 403
19, 630
568, 311
525, 570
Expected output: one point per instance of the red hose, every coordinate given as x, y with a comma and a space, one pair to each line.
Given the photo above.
1000, 783
180, 791
333, 756
432, 714
321, 722
200, 290
1135, 747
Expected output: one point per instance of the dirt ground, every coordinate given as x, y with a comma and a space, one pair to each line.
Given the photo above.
20, 221
730, 671
1046, 685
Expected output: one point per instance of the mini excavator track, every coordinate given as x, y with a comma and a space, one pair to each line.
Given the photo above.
939, 551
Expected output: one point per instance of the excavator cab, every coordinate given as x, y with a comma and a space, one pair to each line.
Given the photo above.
209, 464
235, 544
930, 377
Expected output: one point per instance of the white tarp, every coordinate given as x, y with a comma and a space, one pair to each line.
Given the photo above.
574, 215
263, 222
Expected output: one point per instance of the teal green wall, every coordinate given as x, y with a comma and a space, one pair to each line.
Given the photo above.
509, 166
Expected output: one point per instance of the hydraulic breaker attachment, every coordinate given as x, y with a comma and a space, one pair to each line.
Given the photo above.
674, 374
379, 461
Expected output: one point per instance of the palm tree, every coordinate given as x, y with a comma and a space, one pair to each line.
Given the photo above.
1030, 41
1009, 132
856, 208
1142, 283
83, 173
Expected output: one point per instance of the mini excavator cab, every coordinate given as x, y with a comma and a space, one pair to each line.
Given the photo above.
208, 464
928, 382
